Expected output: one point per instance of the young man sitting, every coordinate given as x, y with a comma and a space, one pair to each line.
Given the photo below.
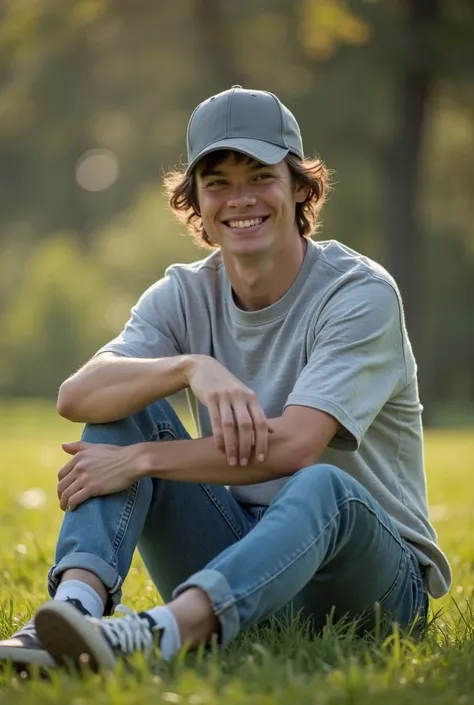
305, 493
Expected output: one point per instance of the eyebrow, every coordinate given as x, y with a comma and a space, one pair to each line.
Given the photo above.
213, 171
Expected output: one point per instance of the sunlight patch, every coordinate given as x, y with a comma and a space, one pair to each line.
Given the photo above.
34, 498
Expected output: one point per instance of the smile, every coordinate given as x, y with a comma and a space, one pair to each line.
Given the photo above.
248, 223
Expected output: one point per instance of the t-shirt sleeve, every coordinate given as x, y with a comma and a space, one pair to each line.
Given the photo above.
156, 327
356, 363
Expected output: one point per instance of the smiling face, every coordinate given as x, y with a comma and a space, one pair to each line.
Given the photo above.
247, 207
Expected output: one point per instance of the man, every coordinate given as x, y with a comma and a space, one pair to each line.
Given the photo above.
305, 493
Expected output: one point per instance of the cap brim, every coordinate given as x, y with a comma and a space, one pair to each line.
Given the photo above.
264, 152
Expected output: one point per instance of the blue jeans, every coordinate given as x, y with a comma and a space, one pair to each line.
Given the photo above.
324, 545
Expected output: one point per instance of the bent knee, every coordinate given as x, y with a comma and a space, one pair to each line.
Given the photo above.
323, 472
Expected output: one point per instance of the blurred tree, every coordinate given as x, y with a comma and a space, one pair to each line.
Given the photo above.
95, 96
415, 43
56, 321
83, 75
215, 34
413, 82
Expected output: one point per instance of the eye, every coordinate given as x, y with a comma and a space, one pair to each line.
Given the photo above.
215, 184
263, 177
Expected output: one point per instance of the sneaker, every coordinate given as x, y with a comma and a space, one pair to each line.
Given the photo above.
72, 638
24, 649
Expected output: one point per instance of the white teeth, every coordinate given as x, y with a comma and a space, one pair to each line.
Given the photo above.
245, 223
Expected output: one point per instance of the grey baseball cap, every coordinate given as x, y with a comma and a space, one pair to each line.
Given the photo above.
253, 122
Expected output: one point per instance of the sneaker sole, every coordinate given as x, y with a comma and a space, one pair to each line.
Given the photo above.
21, 658
71, 639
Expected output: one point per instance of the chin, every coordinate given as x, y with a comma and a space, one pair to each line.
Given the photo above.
249, 248
249, 245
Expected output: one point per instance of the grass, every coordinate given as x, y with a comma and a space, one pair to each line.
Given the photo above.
262, 666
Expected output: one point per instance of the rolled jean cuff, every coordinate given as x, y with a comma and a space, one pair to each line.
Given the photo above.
222, 600
87, 561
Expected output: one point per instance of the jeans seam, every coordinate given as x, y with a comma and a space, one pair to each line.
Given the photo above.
394, 585
222, 511
422, 595
160, 428
261, 511
309, 545
124, 522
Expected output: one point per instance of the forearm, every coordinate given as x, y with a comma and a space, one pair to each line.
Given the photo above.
109, 387
200, 461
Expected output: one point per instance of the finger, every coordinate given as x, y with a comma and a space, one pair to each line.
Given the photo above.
229, 431
69, 492
79, 497
67, 481
216, 423
244, 430
74, 447
260, 426
68, 467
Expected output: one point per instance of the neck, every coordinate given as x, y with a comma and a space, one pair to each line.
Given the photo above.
259, 282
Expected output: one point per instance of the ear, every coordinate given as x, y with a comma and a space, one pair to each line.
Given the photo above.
301, 193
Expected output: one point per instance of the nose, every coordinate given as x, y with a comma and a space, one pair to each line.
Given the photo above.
241, 198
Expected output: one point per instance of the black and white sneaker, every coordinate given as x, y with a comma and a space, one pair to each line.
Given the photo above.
23, 649
72, 638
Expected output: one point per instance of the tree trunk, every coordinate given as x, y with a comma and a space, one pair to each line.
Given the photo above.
401, 169
216, 37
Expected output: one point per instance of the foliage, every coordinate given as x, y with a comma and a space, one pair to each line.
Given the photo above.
94, 100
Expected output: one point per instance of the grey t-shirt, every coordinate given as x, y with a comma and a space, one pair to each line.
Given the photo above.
336, 341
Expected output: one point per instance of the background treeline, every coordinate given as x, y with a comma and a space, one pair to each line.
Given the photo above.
94, 100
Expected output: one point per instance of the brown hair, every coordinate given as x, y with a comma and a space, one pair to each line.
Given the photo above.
181, 191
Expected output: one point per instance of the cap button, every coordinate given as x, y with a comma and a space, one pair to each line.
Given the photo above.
236, 86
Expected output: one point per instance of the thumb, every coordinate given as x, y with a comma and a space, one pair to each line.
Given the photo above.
74, 447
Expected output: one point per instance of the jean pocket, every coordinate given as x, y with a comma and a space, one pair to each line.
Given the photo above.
406, 601
391, 597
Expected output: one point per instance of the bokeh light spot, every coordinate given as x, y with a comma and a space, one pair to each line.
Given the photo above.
97, 170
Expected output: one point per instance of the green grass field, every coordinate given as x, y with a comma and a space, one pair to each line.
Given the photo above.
262, 667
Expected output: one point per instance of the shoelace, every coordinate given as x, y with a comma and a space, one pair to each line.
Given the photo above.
129, 633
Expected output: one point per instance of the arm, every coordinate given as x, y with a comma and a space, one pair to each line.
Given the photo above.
299, 437
110, 387
358, 361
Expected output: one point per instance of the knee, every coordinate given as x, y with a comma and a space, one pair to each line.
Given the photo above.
121, 433
322, 474
158, 421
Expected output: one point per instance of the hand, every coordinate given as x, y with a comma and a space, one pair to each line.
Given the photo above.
238, 422
95, 469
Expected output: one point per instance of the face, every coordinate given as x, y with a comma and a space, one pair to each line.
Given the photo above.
247, 207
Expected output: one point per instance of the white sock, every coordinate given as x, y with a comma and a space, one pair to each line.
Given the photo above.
87, 596
171, 639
